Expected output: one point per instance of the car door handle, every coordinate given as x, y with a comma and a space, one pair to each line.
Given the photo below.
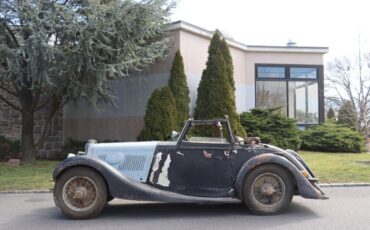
179, 153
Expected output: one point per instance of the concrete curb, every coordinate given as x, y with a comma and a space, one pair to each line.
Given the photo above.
328, 185
324, 185
25, 191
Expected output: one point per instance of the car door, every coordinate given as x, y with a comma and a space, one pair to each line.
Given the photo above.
202, 168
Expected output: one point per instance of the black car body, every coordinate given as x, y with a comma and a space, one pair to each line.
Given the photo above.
205, 164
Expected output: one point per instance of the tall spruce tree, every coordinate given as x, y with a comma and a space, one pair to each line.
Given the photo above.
180, 89
160, 116
347, 115
216, 96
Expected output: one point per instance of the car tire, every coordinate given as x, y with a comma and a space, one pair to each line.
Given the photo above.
268, 190
80, 193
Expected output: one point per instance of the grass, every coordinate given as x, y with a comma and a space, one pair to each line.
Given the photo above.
37, 175
328, 167
339, 167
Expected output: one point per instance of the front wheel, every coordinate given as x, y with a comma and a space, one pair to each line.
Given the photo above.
80, 193
268, 190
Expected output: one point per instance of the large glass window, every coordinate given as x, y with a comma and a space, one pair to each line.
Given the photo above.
303, 73
271, 94
304, 102
293, 88
270, 72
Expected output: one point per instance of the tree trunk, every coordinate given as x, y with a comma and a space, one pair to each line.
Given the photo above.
28, 143
28, 149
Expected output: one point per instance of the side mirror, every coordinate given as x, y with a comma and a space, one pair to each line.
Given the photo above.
174, 135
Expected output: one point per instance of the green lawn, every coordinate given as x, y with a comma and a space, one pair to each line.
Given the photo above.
339, 167
328, 167
37, 175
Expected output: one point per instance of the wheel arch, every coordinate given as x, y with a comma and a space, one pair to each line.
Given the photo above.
305, 188
88, 166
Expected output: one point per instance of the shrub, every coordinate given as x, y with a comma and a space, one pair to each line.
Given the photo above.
73, 146
180, 90
272, 127
347, 115
332, 137
331, 114
160, 116
216, 97
9, 149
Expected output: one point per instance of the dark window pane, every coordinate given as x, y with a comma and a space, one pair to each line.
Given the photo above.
303, 102
271, 94
303, 73
270, 72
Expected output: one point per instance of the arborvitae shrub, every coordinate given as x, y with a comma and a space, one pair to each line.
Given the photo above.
180, 89
160, 116
216, 96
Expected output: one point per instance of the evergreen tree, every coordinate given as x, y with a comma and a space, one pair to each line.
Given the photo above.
160, 116
347, 115
216, 96
229, 63
54, 52
180, 90
331, 115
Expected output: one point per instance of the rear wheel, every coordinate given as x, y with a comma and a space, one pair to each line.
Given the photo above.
268, 190
80, 193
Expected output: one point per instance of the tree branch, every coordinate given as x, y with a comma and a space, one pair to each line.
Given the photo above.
10, 104
11, 33
9, 91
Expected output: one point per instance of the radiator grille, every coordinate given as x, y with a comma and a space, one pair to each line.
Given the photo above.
133, 163
102, 156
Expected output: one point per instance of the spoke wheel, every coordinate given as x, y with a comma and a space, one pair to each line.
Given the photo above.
268, 189
80, 193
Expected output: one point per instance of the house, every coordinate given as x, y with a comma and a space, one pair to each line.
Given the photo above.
288, 76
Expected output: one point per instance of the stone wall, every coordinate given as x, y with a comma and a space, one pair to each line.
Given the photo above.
10, 127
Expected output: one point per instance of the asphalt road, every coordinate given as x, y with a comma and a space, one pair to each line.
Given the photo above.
347, 208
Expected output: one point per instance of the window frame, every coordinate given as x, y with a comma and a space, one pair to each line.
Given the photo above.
319, 79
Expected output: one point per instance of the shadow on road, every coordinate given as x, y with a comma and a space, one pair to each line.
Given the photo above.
162, 216
164, 210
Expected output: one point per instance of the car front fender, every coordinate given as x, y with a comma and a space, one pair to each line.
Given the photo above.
306, 188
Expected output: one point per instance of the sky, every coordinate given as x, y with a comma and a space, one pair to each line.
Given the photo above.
339, 25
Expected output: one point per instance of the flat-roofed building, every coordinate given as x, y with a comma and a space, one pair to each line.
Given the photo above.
265, 76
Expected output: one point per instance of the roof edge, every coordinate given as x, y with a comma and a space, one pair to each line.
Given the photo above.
182, 25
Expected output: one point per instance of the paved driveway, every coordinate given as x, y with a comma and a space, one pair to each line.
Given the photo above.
348, 208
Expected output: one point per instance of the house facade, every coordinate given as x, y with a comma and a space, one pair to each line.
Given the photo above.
265, 76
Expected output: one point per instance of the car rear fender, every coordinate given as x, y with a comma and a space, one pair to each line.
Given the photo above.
305, 188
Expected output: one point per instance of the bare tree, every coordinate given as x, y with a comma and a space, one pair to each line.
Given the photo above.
350, 80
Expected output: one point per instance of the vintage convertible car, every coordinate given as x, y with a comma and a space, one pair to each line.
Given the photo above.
205, 163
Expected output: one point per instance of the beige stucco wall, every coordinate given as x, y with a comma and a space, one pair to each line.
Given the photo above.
252, 58
194, 49
126, 122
